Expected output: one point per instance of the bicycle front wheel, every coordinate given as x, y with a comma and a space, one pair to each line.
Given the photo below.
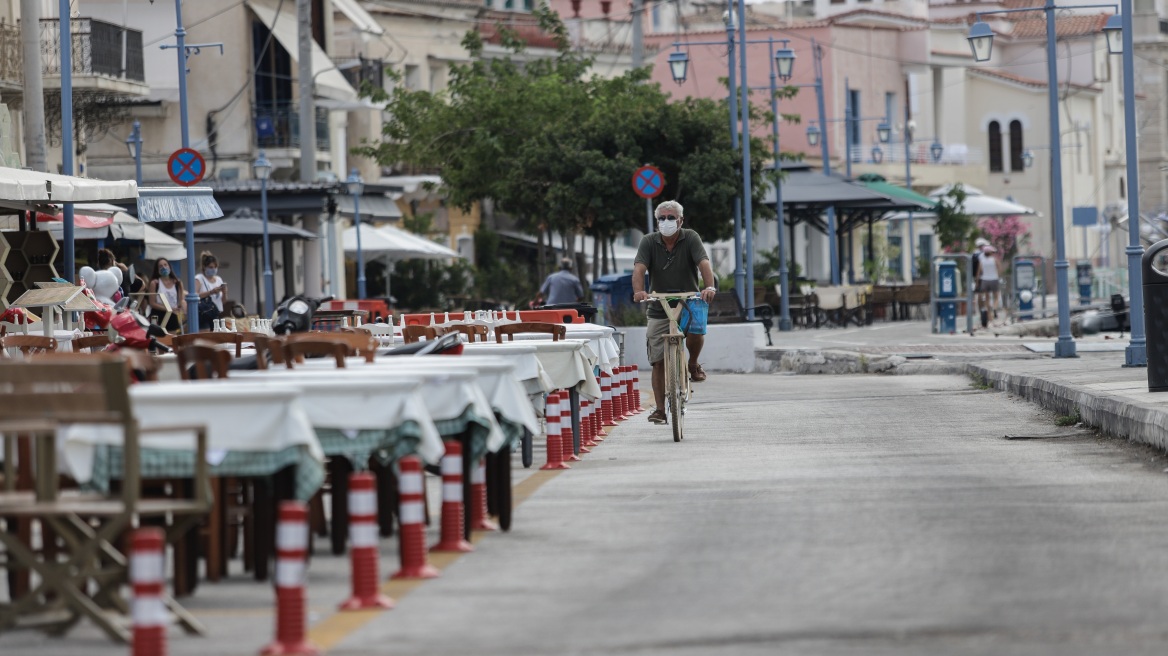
677, 414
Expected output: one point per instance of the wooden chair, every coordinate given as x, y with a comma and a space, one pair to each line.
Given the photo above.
208, 360
266, 347
413, 334
180, 341
358, 342
36, 396
97, 342
28, 344
471, 330
556, 330
295, 351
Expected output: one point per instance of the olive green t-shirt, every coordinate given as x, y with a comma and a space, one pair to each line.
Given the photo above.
675, 271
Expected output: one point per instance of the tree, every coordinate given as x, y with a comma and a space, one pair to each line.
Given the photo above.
954, 228
556, 149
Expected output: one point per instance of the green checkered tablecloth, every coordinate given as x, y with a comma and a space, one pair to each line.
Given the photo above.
479, 428
384, 445
177, 463
511, 430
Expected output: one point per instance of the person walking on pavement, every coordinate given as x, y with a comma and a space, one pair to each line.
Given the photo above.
562, 286
989, 284
673, 257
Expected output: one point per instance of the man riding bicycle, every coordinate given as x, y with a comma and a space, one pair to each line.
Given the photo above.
672, 257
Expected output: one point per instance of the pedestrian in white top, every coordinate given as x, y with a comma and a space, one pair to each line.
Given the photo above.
208, 285
989, 284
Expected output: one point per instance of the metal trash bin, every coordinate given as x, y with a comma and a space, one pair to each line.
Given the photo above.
947, 289
1156, 318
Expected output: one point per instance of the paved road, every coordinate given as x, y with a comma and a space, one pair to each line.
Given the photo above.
819, 515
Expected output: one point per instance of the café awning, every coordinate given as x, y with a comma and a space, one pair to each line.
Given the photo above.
328, 80
177, 204
21, 189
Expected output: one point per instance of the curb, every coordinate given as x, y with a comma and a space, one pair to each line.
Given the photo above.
1125, 418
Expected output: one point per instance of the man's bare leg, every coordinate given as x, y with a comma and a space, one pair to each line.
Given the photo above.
659, 384
694, 344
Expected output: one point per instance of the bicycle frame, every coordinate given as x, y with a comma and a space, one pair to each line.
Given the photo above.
677, 383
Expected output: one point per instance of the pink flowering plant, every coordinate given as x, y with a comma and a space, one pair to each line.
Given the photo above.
1008, 234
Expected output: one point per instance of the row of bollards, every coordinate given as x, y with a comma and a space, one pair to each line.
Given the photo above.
620, 399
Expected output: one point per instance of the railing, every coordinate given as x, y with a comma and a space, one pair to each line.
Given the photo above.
955, 155
97, 49
278, 126
10, 56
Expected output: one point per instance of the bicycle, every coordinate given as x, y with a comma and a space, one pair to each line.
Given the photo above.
677, 383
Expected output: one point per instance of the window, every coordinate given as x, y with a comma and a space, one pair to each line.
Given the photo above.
413, 77
854, 124
895, 269
889, 103
656, 17
1016, 146
995, 147
1122, 188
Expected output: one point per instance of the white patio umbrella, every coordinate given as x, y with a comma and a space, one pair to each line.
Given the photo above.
438, 251
392, 244
976, 203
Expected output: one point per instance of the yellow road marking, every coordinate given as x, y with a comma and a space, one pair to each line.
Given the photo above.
331, 630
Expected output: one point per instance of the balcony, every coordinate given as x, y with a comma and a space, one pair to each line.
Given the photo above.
106, 57
278, 126
10, 58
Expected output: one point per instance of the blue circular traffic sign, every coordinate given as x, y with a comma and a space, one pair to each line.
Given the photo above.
648, 182
186, 167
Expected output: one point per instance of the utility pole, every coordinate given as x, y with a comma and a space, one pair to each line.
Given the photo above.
638, 34
34, 88
304, 78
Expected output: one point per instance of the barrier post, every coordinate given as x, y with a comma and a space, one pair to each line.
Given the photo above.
363, 556
412, 514
291, 599
452, 505
555, 443
147, 578
479, 516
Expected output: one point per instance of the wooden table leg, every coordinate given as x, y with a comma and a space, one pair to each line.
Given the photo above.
217, 530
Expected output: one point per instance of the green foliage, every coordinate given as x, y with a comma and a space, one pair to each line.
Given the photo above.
553, 146
954, 228
498, 276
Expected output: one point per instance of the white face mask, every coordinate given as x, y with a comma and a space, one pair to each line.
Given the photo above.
667, 228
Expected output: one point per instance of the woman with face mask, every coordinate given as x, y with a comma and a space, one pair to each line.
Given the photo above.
165, 285
208, 284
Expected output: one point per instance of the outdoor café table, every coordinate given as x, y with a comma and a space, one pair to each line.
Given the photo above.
454, 397
569, 363
252, 431
601, 347
358, 420
528, 369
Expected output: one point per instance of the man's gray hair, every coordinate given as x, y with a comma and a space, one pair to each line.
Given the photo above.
669, 205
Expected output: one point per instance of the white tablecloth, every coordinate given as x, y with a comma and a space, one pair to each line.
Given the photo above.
238, 417
354, 404
601, 346
448, 390
568, 362
528, 369
501, 386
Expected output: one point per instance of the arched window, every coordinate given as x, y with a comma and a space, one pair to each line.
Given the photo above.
995, 147
1016, 146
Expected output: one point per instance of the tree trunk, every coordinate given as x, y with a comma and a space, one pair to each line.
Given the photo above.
595, 258
542, 257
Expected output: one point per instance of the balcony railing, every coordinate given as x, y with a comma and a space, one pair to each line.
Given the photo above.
10, 56
278, 126
953, 155
98, 49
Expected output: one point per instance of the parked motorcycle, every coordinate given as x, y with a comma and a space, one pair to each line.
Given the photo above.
134, 337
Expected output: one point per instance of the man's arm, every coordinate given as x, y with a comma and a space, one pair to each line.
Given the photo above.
708, 278
547, 286
639, 271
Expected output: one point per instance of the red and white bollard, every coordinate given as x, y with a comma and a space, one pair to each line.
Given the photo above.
567, 437
412, 517
630, 372
606, 414
363, 556
148, 578
479, 519
291, 599
555, 442
622, 378
452, 506
587, 433
636, 387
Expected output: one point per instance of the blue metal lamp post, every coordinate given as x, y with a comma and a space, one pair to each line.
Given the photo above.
1119, 41
814, 137
782, 63
356, 185
66, 130
262, 168
981, 41
134, 144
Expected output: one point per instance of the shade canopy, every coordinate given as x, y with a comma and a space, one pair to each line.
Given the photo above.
438, 250
245, 226
177, 204
329, 82
157, 243
379, 243
21, 189
880, 185
372, 207
977, 203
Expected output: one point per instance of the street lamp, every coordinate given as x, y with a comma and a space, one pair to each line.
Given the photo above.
1136, 354
812, 135
877, 155
355, 185
981, 42
1113, 30
134, 145
936, 150
678, 62
1027, 158
262, 169
884, 132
